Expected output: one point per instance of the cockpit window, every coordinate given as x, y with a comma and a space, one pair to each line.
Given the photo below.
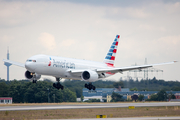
31, 61
28, 60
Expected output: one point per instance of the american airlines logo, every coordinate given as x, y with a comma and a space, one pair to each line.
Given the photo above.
63, 64
49, 63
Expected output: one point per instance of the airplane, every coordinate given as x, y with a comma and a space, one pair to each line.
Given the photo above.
75, 69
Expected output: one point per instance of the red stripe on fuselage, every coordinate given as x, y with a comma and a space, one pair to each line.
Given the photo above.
49, 63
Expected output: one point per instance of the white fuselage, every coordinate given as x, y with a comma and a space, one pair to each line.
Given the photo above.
59, 66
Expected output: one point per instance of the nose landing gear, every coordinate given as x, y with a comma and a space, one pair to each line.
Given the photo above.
34, 81
34, 78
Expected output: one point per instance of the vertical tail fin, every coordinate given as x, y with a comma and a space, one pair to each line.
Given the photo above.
110, 57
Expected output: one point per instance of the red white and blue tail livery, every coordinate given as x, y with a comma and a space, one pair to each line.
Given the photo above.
76, 69
110, 57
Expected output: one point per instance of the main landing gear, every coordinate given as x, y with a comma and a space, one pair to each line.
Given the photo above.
58, 85
90, 86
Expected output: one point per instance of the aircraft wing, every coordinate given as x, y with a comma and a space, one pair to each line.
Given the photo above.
14, 63
122, 69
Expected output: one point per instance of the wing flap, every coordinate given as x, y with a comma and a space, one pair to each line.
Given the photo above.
14, 63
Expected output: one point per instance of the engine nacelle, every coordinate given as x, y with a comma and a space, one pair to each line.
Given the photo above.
89, 76
30, 75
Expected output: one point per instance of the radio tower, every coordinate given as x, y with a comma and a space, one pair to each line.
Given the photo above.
7, 64
146, 71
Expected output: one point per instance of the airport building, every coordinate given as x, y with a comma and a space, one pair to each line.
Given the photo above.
102, 93
105, 93
5, 100
177, 95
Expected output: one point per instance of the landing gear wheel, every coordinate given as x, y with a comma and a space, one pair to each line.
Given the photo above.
90, 86
62, 87
58, 84
54, 85
85, 85
34, 81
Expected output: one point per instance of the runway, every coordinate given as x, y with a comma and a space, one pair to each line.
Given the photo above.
84, 106
133, 118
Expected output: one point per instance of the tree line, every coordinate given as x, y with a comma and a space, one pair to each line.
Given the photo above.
25, 91
151, 85
42, 91
160, 96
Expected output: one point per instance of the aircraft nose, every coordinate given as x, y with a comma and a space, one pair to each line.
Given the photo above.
30, 66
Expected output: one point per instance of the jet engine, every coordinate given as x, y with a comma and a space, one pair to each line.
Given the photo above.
89, 76
32, 76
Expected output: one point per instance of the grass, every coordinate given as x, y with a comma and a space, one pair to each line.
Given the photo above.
30, 104
91, 113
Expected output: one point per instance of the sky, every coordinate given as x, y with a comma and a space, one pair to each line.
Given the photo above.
85, 29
